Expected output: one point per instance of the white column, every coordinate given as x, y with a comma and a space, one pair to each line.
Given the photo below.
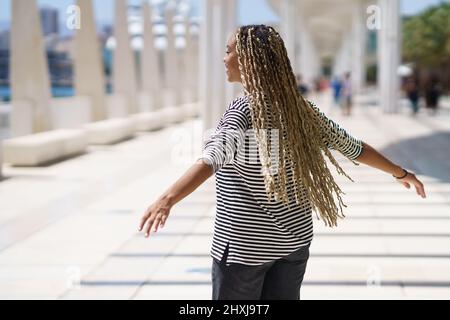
206, 64
337, 63
358, 47
316, 61
308, 60
191, 63
219, 22
29, 71
343, 59
124, 72
171, 59
230, 27
151, 77
225, 25
338, 60
288, 21
88, 65
389, 40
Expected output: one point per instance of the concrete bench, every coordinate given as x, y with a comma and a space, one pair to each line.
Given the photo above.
110, 131
192, 110
156, 120
173, 115
150, 121
42, 148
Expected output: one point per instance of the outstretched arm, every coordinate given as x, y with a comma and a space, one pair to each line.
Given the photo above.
373, 158
357, 150
218, 151
156, 215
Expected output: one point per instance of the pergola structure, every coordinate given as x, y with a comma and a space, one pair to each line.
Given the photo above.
312, 30
315, 29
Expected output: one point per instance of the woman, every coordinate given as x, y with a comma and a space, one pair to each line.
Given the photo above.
263, 227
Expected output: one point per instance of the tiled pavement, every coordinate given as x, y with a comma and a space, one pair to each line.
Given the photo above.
69, 230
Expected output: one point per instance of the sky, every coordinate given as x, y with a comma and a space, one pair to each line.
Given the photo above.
104, 9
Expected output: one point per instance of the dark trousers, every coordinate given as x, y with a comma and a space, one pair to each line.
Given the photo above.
276, 280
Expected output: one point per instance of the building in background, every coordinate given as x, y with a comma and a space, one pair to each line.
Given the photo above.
4, 64
4, 39
49, 20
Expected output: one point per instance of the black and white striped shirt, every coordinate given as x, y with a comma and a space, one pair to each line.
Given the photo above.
256, 230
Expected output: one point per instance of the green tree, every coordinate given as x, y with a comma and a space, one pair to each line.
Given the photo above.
426, 39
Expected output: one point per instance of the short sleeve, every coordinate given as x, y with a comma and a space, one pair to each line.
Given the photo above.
339, 139
229, 137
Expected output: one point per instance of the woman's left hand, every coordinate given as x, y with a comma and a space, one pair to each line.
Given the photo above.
155, 216
411, 179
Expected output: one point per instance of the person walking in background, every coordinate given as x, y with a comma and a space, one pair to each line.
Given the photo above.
264, 223
432, 95
336, 85
347, 95
302, 87
412, 92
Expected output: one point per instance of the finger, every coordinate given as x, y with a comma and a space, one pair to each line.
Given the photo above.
421, 190
424, 194
143, 220
407, 185
149, 226
157, 222
418, 191
163, 221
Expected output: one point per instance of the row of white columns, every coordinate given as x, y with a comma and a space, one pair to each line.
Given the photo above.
219, 22
298, 41
351, 55
31, 94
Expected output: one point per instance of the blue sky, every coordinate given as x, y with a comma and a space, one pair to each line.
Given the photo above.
247, 14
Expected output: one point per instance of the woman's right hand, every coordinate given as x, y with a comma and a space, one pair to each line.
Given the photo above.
156, 215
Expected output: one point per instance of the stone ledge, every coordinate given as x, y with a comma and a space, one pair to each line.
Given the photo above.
38, 149
110, 131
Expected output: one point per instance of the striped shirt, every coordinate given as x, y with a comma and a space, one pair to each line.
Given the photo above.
256, 230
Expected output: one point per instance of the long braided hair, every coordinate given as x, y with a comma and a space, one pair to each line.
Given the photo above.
270, 84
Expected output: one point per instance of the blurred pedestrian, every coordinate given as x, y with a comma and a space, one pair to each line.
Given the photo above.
336, 85
347, 95
432, 94
412, 92
302, 87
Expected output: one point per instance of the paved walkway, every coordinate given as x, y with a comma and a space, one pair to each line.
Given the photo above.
69, 231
